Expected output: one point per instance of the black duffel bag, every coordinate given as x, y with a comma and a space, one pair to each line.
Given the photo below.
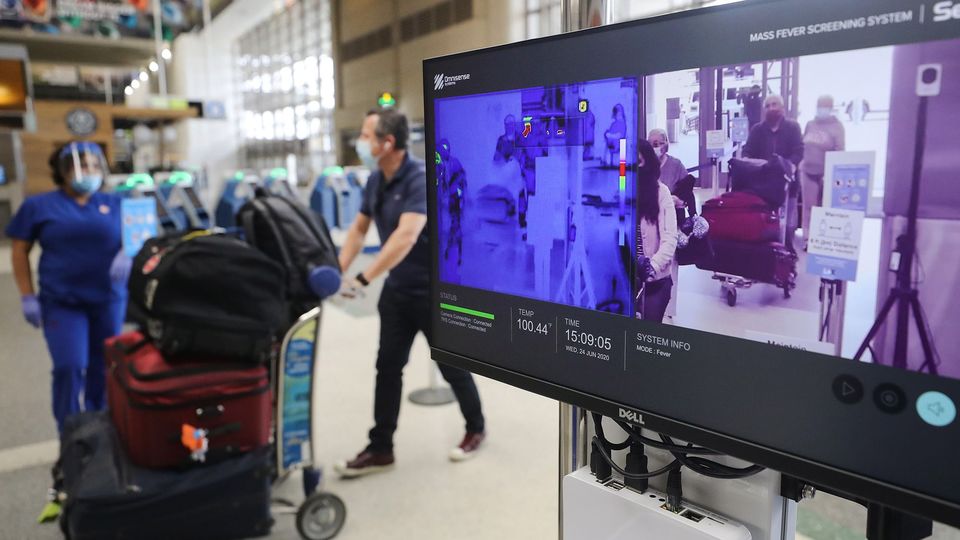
291, 234
208, 295
764, 178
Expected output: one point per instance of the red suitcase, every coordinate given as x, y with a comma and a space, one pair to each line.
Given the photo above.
768, 262
151, 400
743, 217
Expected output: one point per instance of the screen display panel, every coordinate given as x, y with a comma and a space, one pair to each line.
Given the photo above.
737, 224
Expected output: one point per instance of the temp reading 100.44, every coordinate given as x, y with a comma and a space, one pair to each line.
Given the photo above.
526, 325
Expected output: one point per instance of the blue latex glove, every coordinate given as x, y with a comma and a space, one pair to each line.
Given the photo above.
31, 309
120, 268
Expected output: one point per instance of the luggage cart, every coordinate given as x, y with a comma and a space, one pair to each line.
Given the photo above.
322, 514
730, 283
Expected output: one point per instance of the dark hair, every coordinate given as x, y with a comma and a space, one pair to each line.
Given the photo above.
54, 162
648, 183
392, 122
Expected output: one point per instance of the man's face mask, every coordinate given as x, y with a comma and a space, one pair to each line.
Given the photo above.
774, 115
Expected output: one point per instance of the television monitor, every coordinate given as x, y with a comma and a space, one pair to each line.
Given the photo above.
554, 242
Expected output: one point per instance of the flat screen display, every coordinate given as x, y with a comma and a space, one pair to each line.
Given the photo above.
703, 223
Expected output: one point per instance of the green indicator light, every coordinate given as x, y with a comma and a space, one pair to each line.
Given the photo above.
466, 311
238, 175
623, 183
279, 172
333, 170
180, 177
527, 118
136, 180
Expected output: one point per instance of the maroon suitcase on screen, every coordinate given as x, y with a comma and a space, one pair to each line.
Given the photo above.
151, 400
742, 217
767, 262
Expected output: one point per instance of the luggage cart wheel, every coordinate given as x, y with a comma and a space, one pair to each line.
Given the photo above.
731, 297
321, 516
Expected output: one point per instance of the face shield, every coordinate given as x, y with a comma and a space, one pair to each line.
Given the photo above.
83, 166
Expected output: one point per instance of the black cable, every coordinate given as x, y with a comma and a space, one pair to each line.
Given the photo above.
638, 476
674, 491
684, 455
711, 468
598, 427
689, 450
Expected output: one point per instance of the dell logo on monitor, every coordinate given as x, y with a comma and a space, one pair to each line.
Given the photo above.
945, 11
632, 416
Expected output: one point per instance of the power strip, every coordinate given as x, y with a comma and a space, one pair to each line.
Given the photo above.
611, 511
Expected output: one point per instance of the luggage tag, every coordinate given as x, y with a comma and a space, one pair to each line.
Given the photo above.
195, 440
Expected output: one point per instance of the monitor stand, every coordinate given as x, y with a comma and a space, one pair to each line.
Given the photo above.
883, 523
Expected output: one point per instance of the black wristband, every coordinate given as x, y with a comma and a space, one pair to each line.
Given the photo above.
363, 281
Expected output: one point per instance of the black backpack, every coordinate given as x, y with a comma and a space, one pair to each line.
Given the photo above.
202, 294
291, 234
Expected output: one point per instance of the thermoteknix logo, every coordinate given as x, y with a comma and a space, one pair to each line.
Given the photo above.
632, 416
441, 81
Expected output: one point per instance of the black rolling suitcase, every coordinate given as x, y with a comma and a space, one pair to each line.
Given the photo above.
107, 498
766, 262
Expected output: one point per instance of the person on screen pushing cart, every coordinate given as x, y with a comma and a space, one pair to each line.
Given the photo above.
395, 199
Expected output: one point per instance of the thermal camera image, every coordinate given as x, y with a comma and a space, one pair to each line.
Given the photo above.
534, 193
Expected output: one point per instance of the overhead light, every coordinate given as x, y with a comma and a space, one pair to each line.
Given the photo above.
154, 66
144, 77
128, 91
166, 54
135, 83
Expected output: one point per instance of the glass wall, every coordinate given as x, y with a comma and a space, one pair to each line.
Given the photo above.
287, 91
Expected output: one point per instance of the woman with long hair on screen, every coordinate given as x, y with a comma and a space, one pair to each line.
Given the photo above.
656, 237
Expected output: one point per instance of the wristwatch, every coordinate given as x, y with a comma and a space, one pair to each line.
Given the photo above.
363, 281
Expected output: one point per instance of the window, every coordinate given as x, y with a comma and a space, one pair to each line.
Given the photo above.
286, 89
542, 18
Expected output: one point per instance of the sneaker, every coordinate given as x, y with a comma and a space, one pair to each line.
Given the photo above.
365, 463
468, 447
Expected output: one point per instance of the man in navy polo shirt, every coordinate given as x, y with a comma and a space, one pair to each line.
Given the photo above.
395, 199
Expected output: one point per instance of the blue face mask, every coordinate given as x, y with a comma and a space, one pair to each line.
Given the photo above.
366, 154
87, 184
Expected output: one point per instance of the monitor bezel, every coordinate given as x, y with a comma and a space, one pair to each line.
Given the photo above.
856, 487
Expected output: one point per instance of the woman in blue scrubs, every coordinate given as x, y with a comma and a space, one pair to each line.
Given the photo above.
82, 274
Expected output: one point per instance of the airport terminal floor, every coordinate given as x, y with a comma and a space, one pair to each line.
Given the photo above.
508, 491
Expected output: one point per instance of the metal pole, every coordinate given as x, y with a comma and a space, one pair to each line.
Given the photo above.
574, 15
158, 47
207, 20
435, 393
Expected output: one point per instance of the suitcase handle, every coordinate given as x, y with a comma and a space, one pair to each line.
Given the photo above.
210, 410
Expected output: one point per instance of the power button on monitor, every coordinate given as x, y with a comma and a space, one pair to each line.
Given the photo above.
848, 389
936, 409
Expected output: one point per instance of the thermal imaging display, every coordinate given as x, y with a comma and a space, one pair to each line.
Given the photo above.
535, 198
